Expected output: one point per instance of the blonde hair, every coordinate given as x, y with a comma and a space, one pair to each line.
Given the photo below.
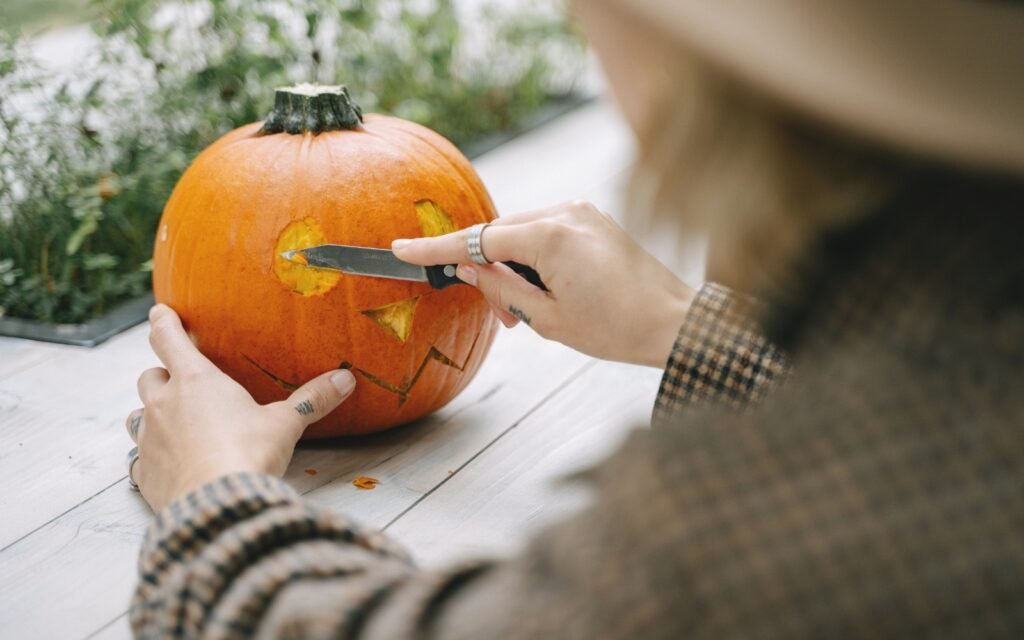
761, 181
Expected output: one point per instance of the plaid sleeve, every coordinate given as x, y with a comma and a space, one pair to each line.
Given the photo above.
720, 356
214, 561
246, 557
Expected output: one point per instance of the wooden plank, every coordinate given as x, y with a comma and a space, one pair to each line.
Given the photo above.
65, 439
510, 490
16, 355
573, 157
96, 544
514, 488
117, 629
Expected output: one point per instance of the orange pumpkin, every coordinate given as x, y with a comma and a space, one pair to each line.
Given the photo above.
315, 172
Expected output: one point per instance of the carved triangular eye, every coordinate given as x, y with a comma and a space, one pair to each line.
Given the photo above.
395, 318
434, 220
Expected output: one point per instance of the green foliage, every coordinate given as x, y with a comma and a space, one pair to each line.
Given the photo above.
87, 162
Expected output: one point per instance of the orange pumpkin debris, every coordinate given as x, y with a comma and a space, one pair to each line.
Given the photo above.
365, 482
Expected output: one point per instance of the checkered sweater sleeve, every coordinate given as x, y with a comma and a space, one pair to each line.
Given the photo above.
219, 562
720, 356
246, 557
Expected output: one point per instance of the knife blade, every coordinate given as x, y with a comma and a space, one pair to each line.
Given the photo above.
382, 263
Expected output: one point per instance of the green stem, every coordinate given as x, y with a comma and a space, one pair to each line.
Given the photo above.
312, 108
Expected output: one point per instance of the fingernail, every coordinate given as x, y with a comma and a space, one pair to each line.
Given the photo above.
344, 381
466, 274
398, 245
155, 311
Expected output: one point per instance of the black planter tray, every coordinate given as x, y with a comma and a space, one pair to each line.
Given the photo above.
87, 334
133, 312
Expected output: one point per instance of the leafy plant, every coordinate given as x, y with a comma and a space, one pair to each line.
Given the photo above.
87, 161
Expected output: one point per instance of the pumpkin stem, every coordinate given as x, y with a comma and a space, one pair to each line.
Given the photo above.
312, 108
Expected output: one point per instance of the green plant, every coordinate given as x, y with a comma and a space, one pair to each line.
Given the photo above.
87, 161
76, 219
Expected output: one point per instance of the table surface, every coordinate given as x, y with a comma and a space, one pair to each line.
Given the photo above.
477, 477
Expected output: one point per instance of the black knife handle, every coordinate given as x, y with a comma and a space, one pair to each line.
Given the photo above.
527, 273
442, 276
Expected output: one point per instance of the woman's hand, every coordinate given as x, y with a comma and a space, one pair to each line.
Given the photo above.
607, 296
198, 424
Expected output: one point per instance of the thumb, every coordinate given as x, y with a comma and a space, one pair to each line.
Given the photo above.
318, 397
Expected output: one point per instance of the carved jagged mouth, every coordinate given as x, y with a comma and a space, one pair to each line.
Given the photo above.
406, 387
281, 382
401, 390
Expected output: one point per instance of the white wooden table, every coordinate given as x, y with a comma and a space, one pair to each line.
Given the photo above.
477, 477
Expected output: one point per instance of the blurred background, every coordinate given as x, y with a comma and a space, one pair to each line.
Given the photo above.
103, 103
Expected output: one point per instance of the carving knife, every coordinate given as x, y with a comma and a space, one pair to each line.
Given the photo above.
382, 263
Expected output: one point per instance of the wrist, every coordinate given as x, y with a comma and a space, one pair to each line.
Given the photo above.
193, 479
665, 327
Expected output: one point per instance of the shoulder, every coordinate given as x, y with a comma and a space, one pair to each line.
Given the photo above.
863, 486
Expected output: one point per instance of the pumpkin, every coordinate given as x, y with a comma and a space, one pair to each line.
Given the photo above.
317, 171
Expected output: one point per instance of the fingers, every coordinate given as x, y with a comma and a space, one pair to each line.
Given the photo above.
503, 316
170, 342
133, 468
515, 237
509, 293
134, 424
526, 216
317, 398
498, 242
150, 382
446, 249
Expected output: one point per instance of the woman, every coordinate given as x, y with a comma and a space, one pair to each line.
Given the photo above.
859, 167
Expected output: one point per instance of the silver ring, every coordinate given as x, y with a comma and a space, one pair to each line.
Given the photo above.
473, 246
133, 457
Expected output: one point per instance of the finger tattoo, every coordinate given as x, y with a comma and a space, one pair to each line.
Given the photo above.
304, 408
133, 428
518, 313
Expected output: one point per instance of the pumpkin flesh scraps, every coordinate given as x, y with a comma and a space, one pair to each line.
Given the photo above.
365, 482
301, 279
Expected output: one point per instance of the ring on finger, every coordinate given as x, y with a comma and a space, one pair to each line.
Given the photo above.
134, 424
474, 246
133, 457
